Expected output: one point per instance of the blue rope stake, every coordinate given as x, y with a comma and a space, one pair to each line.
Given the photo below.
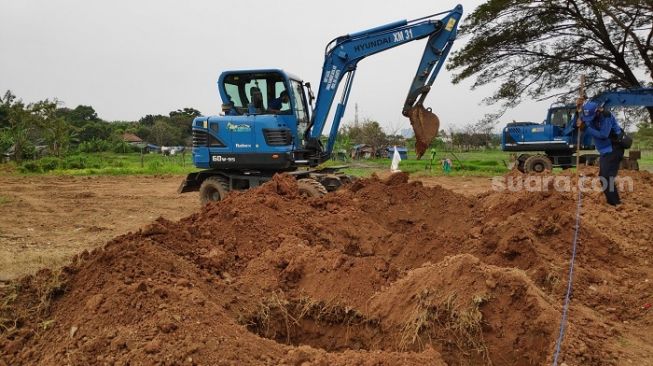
563, 321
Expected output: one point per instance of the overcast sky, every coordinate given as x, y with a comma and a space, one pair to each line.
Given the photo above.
132, 58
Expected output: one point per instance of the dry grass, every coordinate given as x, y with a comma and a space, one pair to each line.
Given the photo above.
16, 263
331, 312
20, 303
552, 279
9, 296
277, 317
444, 319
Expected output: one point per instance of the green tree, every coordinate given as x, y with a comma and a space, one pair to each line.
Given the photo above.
19, 124
368, 132
162, 133
81, 115
149, 119
55, 130
95, 130
536, 49
182, 119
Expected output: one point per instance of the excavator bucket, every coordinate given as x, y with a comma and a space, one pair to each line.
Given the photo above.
426, 126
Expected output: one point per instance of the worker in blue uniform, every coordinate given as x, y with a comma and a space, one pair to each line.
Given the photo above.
603, 127
277, 103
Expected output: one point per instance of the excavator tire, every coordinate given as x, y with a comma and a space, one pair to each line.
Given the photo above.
634, 165
537, 164
310, 188
629, 164
213, 189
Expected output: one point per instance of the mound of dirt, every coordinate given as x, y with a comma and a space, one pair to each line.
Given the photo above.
382, 272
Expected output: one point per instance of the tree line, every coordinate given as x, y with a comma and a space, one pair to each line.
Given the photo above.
473, 136
26, 129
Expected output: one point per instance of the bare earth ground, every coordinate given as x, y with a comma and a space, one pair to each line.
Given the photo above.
48, 219
382, 272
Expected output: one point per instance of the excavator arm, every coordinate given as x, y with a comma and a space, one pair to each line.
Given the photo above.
639, 97
636, 97
341, 59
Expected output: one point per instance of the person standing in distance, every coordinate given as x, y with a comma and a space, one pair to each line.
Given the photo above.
602, 126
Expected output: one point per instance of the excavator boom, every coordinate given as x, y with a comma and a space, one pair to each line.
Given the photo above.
341, 59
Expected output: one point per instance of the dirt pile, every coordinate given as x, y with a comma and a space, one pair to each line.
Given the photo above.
382, 272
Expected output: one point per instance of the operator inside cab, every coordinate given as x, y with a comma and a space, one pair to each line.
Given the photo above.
276, 104
255, 93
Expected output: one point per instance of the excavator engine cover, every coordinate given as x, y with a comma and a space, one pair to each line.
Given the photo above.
426, 126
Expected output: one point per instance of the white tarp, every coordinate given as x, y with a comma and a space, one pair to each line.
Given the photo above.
396, 158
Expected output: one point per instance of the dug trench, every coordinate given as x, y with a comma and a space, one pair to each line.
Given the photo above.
381, 272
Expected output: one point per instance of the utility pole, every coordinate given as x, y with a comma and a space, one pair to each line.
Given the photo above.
356, 115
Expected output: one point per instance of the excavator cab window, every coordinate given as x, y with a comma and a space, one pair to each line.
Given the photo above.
560, 117
253, 92
280, 87
300, 102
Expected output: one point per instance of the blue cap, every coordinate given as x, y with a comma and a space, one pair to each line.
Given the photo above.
589, 111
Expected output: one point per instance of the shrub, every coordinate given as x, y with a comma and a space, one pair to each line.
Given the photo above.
75, 162
30, 167
49, 163
121, 147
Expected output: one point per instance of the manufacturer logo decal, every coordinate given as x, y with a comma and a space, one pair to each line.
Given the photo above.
243, 127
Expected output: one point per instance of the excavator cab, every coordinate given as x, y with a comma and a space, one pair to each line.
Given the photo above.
252, 92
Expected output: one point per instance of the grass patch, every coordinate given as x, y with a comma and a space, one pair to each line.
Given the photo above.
476, 163
646, 162
107, 163
4, 200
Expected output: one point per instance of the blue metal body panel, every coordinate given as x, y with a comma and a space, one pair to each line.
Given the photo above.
555, 134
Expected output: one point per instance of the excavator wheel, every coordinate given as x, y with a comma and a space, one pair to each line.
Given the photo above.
628, 164
426, 126
634, 165
213, 189
537, 164
309, 187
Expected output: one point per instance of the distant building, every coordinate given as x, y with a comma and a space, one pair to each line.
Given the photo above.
362, 151
131, 139
403, 152
407, 133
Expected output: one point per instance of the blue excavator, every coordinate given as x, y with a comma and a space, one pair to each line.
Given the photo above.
552, 143
268, 123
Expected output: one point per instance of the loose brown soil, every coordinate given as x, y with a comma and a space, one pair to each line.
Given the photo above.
384, 272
